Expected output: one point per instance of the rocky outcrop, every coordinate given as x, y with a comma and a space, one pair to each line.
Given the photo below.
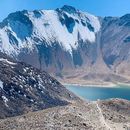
24, 89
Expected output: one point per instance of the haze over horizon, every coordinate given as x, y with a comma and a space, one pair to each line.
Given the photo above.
98, 8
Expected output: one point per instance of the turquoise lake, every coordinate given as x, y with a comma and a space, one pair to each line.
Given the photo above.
94, 93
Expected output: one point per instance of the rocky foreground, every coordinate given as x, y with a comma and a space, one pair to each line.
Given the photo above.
112, 114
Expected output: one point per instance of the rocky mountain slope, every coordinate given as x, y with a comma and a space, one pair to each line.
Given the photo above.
24, 89
70, 44
101, 115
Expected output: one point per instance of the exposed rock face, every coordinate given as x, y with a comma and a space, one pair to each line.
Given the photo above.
24, 89
115, 44
101, 115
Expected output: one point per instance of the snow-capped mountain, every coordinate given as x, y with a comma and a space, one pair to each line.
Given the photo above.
66, 26
47, 36
69, 43
24, 89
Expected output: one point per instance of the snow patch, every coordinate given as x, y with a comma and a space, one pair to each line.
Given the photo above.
7, 61
5, 46
1, 84
5, 100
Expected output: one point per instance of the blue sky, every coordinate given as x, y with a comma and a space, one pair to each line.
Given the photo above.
97, 7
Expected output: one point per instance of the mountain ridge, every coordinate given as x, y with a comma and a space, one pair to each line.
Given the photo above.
24, 89
86, 44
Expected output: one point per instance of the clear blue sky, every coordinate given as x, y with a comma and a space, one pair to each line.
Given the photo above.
97, 7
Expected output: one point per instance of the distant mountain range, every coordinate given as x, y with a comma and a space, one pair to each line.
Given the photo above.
70, 44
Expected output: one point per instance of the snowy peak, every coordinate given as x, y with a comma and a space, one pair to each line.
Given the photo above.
20, 24
64, 26
69, 9
80, 17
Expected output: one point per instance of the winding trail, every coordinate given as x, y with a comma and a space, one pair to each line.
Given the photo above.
102, 117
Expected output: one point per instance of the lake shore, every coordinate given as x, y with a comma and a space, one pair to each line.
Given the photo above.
103, 85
